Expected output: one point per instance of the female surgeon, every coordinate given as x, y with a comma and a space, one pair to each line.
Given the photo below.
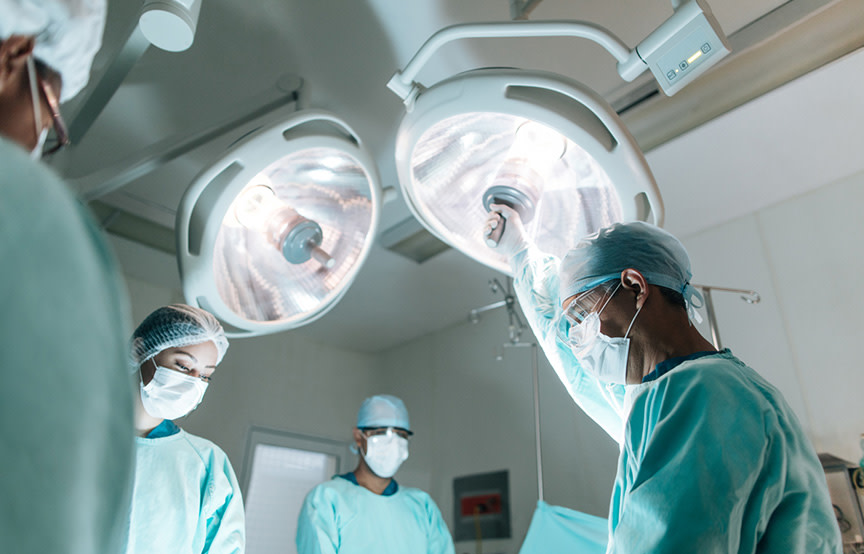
185, 498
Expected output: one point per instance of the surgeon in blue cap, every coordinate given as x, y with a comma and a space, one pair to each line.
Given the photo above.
367, 510
712, 457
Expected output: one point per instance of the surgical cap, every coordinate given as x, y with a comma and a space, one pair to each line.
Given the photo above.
68, 35
383, 410
173, 326
655, 253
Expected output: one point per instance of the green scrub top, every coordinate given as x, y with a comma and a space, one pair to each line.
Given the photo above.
341, 517
66, 432
186, 498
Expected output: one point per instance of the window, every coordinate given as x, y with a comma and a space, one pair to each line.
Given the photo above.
279, 470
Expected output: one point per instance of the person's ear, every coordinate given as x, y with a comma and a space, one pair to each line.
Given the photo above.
14, 52
633, 280
358, 438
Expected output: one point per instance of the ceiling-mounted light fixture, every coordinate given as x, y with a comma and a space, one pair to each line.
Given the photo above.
545, 145
272, 235
170, 24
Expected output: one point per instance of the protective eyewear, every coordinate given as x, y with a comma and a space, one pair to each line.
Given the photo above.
589, 301
61, 134
382, 431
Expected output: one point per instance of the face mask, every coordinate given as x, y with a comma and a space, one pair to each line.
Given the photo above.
601, 356
41, 132
385, 453
171, 394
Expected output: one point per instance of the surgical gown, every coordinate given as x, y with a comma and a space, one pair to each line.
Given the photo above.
66, 431
341, 517
186, 498
712, 457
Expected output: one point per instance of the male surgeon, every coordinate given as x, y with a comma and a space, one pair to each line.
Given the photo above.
366, 510
712, 457
66, 434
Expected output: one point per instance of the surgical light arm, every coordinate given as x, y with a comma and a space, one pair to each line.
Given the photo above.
691, 34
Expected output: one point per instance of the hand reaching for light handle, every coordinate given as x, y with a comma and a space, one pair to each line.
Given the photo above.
504, 231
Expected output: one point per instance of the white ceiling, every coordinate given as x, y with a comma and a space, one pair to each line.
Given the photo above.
790, 140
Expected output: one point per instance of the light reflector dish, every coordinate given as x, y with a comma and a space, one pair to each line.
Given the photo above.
556, 146
273, 234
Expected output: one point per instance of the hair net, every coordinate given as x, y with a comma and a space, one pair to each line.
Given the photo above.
383, 410
173, 326
655, 253
68, 34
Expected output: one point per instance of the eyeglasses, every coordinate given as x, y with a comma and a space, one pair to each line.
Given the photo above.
589, 301
61, 133
381, 431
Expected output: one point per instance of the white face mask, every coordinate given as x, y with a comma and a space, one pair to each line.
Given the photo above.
602, 356
385, 453
171, 394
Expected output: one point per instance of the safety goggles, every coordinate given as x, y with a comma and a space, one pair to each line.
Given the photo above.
383, 431
38, 83
575, 327
589, 301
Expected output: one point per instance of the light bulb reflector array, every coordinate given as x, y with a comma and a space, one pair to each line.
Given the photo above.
456, 161
255, 278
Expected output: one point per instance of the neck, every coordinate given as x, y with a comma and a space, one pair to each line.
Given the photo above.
367, 479
668, 339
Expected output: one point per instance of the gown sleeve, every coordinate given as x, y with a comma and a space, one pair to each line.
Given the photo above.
226, 520
317, 532
536, 285
440, 541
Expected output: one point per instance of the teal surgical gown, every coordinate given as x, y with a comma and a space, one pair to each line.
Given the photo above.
713, 460
66, 431
186, 499
341, 517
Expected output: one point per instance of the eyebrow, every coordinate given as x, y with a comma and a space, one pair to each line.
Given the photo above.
194, 359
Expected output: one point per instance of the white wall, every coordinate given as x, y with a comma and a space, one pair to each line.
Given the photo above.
805, 256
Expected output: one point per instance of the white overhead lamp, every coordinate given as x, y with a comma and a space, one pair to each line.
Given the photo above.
545, 145
271, 235
170, 24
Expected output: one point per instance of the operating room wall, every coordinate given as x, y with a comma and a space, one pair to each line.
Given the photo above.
805, 257
473, 413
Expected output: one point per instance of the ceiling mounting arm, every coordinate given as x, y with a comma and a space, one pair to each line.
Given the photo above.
683, 47
402, 83
108, 179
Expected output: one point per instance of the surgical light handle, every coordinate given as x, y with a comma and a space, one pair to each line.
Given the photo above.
402, 82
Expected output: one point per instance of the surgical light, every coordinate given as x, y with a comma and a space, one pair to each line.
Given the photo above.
545, 145
273, 233
170, 24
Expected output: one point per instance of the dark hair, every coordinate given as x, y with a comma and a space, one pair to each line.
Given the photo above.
673, 297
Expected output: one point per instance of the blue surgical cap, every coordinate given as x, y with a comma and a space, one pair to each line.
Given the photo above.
383, 410
655, 253
173, 326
